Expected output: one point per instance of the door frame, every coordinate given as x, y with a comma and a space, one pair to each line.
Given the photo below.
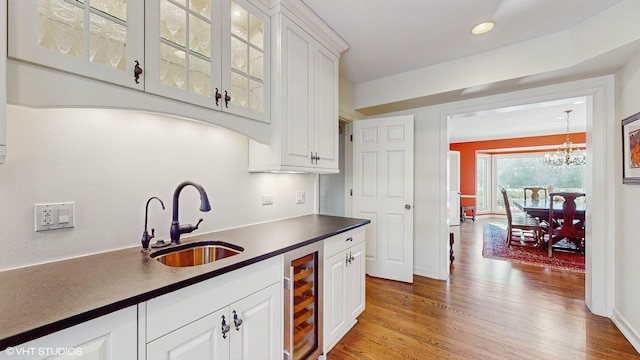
601, 152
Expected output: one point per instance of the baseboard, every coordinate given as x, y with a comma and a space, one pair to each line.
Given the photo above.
327, 347
429, 273
627, 330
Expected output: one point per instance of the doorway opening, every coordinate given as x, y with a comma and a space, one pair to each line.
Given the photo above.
332, 188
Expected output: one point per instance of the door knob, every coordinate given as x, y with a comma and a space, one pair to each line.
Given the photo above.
408, 207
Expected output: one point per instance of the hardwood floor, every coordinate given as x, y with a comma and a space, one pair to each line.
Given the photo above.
488, 309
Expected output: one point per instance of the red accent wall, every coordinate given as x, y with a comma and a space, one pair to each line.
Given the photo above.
468, 155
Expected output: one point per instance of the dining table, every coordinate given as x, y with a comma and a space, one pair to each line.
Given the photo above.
540, 208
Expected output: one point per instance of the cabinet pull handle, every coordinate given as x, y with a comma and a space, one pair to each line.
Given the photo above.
346, 259
218, 97
137, 71
349, 239
225, 328
227, 99
236, 320
312, 158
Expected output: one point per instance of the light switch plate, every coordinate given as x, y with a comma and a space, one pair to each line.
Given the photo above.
54, 216
300, 197
267, 199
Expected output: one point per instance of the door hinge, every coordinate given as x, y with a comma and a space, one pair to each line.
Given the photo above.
351, 138
350, 192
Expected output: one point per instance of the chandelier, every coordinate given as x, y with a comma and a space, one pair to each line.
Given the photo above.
564, 155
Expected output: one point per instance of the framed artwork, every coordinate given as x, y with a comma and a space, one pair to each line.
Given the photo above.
631, 149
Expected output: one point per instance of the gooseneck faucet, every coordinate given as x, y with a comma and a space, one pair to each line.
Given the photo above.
145, 235
177, 229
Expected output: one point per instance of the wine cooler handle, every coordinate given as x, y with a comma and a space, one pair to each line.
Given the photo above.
236, 320
225, 328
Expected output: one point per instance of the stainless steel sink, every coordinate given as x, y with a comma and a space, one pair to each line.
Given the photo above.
196, 253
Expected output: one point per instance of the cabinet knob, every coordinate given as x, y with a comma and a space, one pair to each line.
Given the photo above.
137, 71
225, 328
408, 207
218, 97
236, 320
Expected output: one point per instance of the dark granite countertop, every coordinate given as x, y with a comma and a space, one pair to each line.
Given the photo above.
42, 299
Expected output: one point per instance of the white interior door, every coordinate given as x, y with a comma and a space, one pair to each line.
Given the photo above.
453, 172
383, 193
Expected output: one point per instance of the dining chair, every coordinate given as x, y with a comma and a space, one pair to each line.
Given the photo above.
522, 229
566, 233
537, 193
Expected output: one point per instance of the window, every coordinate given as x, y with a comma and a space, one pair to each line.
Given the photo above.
483, 179
516, 171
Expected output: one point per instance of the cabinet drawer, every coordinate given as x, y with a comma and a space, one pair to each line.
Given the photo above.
341, 242
181, 307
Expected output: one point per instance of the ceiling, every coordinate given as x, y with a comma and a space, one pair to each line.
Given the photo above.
391, 37
520, 121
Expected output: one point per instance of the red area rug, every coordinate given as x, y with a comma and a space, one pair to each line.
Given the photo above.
495, 247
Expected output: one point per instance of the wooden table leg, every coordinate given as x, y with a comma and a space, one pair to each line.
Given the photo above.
451, 241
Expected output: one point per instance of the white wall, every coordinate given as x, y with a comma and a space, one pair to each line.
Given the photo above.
109, 162
331, 192
627, 312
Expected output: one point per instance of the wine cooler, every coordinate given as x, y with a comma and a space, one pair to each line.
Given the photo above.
303, 303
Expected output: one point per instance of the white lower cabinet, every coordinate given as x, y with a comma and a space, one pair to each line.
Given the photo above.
237, 315
109, 337
246, 329
344, 285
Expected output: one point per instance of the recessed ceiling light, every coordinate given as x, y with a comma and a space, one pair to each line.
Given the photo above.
483, 27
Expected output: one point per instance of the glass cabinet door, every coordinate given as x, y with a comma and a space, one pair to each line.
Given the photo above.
245, 74
183, 49
102, 39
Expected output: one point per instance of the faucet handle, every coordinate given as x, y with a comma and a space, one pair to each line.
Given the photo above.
153, 233
198, 224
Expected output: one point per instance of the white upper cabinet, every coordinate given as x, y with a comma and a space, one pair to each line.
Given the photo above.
209, 53
246, 65
304, 132
100, 39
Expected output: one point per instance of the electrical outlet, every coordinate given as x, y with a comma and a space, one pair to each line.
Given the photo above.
47, 216
54, 216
